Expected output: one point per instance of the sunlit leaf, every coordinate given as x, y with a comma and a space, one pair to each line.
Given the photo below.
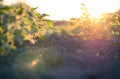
32, 9
20, 11
43, 38
50, 24
19, 23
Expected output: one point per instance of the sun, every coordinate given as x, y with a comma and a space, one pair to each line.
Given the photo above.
66, 9
96, 14
97, 7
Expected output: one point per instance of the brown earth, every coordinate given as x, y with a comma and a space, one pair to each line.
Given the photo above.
96, 58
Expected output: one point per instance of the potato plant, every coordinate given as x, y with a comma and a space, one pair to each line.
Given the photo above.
20, 23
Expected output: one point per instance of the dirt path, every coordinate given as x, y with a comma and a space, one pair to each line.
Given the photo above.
93, 59
65, 57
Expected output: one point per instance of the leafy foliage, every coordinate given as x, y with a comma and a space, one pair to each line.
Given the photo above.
107, 26
19, 23
84, 24
115, 29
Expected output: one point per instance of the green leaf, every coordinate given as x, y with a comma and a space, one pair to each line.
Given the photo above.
20, 11
22, 24
43, 15
43, 38
19, 39
38, 15
32, 9
50, 24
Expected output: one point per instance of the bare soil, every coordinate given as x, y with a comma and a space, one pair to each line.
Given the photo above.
96, 58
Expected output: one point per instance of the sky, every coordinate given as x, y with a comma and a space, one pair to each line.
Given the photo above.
66, 9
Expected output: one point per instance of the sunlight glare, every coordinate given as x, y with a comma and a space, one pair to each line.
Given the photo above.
58, 9
66, 9
98, 7
9, 1
33, 63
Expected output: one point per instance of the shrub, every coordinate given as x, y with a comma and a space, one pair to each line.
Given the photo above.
19, 23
